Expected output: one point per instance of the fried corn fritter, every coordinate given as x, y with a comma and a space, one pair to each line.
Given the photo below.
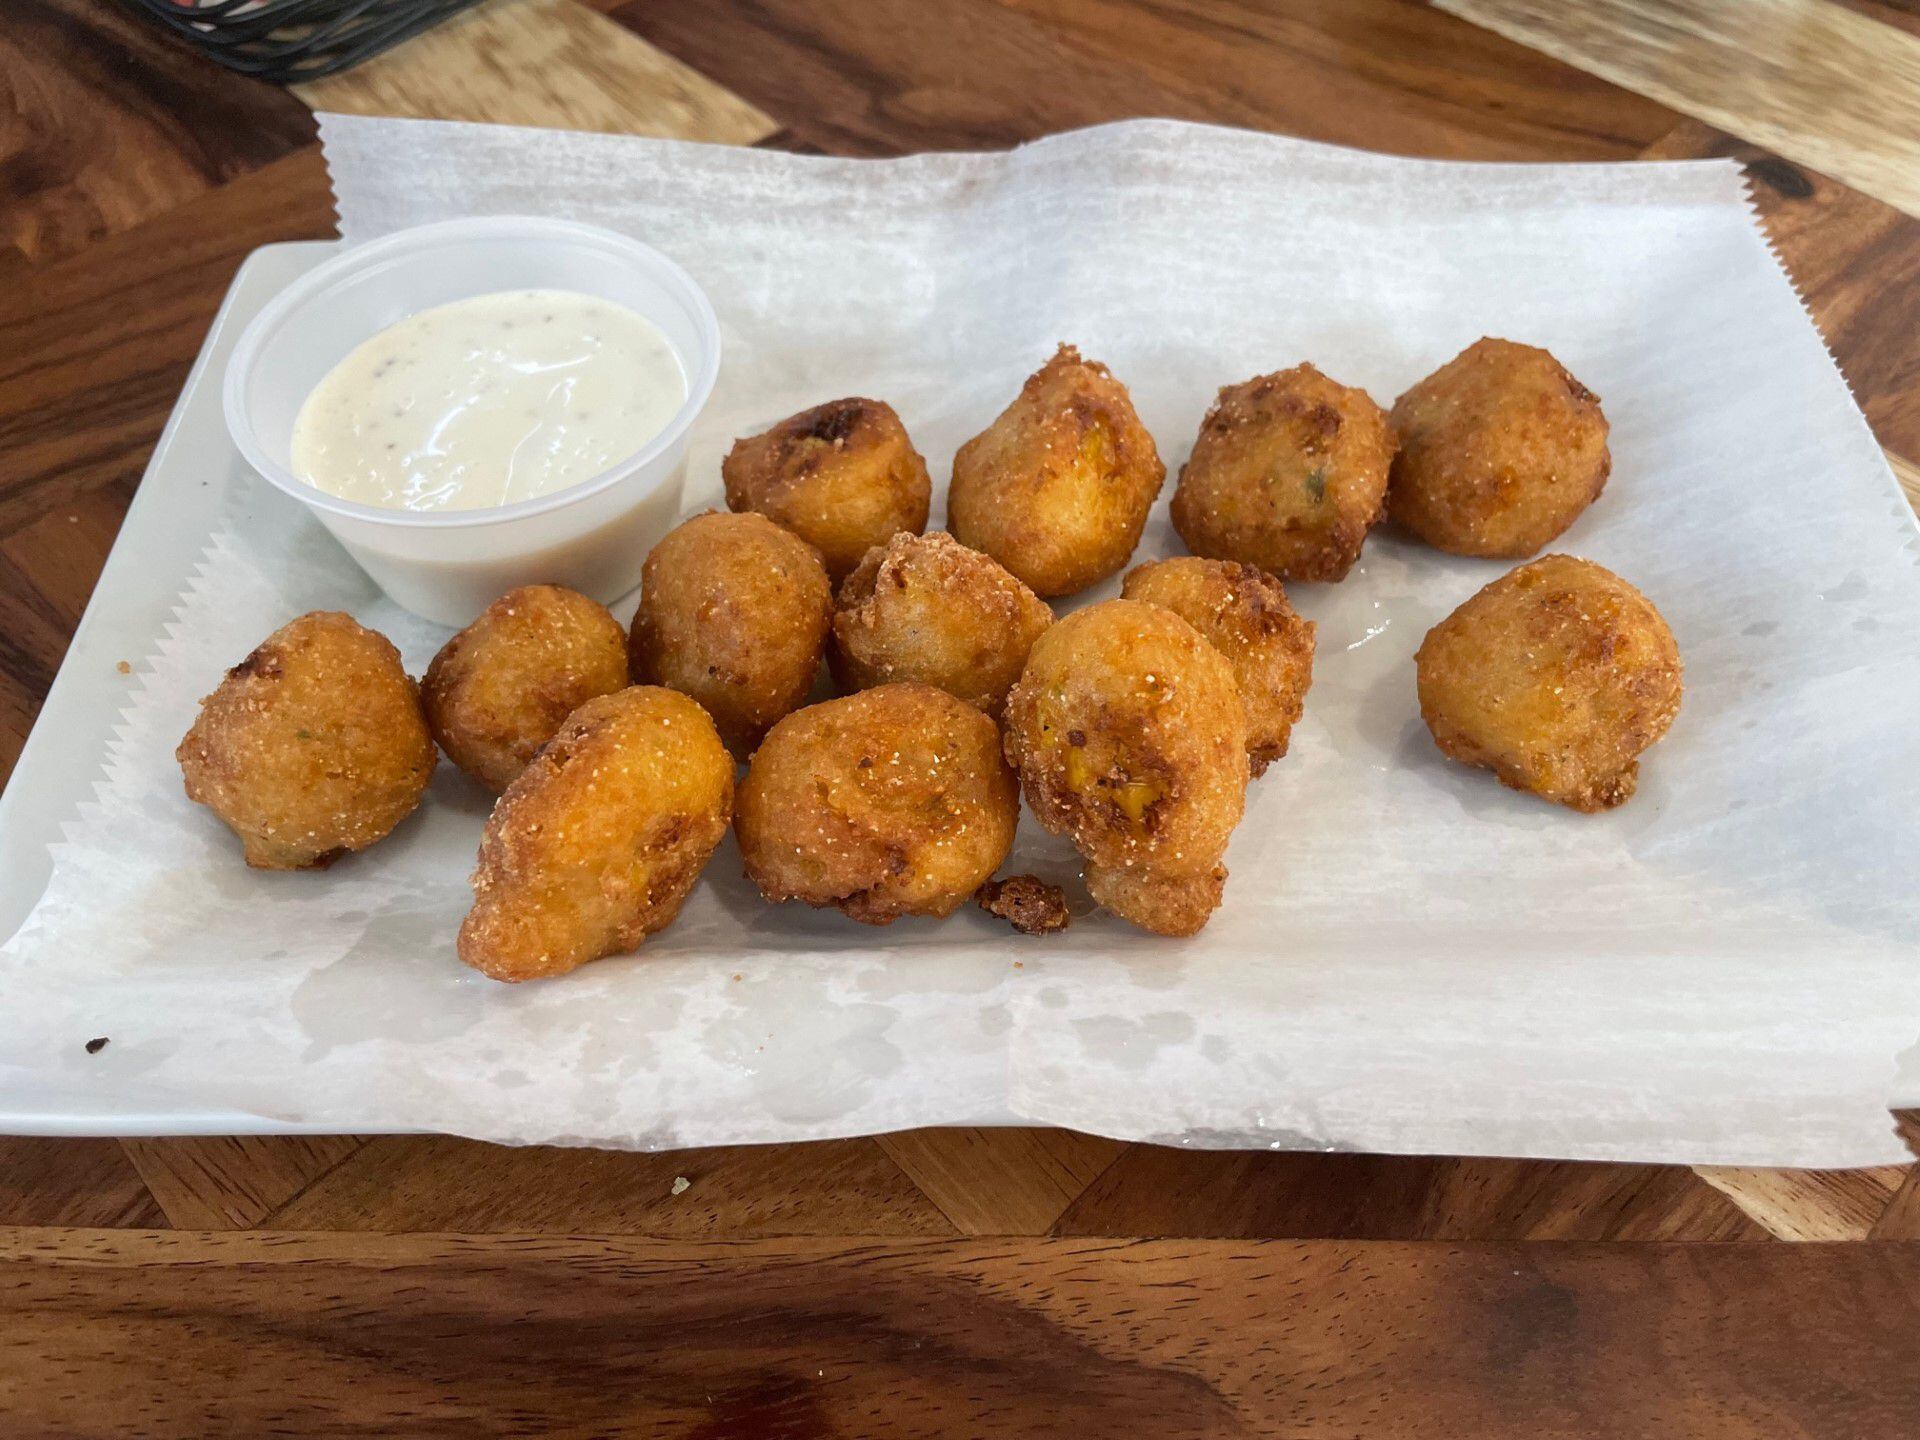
1555, 677
1130, 738
842, 476
597, 842
893, 801
1289, 473
1244, 613
926, 608
734, 611
1500, 451
1058, 487
498, 690
313, 746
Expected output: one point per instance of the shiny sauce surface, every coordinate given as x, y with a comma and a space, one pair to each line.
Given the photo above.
488, 401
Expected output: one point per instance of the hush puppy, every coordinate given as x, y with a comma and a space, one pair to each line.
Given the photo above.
1244, 613
1500, 451
842, 476
1131, 739
596, 844
926, 608
1058, 487
734, 611
498, 690
313, 746
894, 801
1289, 473
1555, 677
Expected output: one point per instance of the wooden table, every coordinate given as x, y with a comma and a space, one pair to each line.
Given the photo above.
937, 1281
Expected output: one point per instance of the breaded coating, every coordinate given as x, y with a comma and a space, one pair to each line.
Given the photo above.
1500, 451
1244, 613
1058, 487
842, 476
596, 844
926, 608
1026, 902
498, 690
1555, 677
734, 611
894, 801
1131, 739
313, 746
1289, 472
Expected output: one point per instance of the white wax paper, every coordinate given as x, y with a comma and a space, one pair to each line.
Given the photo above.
1410, 958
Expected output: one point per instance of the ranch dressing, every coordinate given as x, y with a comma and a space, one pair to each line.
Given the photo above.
487, 401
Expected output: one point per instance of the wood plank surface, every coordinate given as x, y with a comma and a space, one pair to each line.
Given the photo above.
135, 176
542, 62
876, 77
110, 123
194, 1334
1821, 84
416, 1183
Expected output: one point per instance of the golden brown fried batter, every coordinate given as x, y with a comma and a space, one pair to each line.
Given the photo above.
1026, 902
596, 844
842, 476
498, 690
1289, 473
1131, 739
926, 608
734, 611
313, 746
1058, 487
1500, 451
1555, 677
1245, 614
891, 802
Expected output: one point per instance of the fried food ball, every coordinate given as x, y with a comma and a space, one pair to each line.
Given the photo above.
1555, 677
597, 842
1026, 902
313, 746
1500, 451
498, 690
842, 476
1244, 613
1289, 473
1058, 487
1131, 739
734, 611
926, 608
894, 801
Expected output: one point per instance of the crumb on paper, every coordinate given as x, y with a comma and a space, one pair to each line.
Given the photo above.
123, 667
96, 1045
681, 1184
736, 975
1026, 902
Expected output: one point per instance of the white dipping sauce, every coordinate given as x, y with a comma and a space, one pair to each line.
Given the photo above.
487, 401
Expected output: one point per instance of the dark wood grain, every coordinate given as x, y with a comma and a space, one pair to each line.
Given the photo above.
405, 1182
188, 1334
1151, 1190
109, 122
860, 77
72, 1182
94, 348
233, 1182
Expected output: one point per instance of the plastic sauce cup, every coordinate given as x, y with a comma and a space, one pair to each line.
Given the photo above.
449, 565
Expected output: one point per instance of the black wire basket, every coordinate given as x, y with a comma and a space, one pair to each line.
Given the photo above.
286, 41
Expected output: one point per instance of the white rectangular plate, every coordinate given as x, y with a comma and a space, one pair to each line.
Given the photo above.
1409, 957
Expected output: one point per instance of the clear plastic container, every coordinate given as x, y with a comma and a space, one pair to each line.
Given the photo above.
449, 565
